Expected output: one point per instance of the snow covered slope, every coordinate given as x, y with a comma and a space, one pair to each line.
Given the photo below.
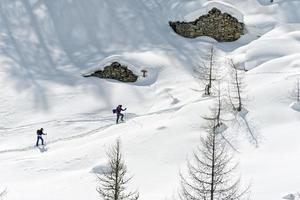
46, 45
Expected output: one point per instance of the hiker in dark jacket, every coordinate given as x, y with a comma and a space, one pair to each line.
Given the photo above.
39, 136
119, 109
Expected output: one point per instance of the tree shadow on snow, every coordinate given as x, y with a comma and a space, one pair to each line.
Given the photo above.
100, 169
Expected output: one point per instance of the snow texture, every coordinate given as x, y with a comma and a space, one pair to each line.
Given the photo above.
46, 45
223, 6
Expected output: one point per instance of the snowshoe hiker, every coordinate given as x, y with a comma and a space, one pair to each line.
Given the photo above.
118, 111
39, 136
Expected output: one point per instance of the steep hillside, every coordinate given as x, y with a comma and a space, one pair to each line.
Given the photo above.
46, 46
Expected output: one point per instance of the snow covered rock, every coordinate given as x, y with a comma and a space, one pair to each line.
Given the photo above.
115, 71
221, 26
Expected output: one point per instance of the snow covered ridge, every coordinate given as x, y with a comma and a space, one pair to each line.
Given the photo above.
273, 45
223, 6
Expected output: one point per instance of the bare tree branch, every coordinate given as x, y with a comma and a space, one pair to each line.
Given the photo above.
210, 172
295, 93
112, 183
207, 71
236, 89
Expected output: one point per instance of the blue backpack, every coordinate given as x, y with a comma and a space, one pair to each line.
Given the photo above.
114, 110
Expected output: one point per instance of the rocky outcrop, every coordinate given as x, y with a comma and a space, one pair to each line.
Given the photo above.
220, 26
115, 71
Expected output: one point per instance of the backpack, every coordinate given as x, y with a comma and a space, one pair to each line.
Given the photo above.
114, 111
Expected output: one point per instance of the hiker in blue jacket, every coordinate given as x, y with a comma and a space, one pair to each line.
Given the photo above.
39, 136
118, 111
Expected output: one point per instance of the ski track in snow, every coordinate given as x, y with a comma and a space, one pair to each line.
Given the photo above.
111, 120
46, 44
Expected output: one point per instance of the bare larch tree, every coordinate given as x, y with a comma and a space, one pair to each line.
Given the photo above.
236, 99
207, 71
210, 174
236, 88
217, 111
113, 182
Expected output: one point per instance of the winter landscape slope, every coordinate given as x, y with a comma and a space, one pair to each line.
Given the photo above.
45, 47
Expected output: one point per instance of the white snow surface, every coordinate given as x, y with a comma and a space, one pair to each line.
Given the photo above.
221, 5
46, 45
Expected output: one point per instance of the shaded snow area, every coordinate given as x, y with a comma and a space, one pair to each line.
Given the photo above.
295, 106
46, 46
292, 196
